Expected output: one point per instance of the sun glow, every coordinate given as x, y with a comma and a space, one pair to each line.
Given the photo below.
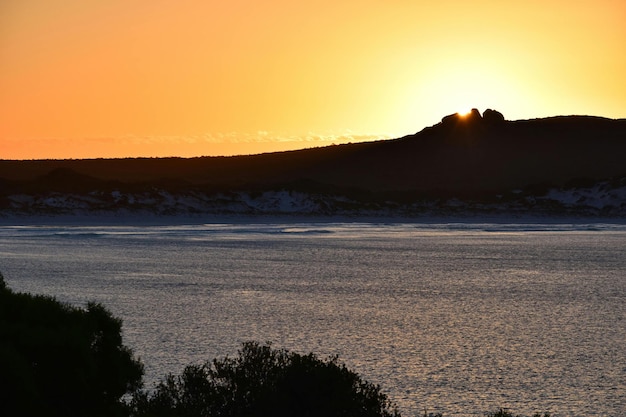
464, 112
97, 73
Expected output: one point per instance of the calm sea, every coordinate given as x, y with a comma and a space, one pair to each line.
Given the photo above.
453, 318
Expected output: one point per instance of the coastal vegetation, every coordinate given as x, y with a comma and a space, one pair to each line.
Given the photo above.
60, 360
262, 381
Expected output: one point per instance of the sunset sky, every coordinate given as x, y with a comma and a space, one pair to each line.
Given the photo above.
117, 78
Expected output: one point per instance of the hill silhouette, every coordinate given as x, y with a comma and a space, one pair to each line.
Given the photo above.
469, 156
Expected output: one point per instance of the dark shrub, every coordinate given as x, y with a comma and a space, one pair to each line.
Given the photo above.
59, 360
262, 381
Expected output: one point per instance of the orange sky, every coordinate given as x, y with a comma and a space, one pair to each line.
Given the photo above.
115, 78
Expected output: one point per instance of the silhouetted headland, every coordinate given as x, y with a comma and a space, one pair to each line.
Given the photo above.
476, 156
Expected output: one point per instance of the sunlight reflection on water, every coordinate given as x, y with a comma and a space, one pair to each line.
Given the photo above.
457, 319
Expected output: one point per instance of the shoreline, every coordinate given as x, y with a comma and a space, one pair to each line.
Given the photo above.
143, 219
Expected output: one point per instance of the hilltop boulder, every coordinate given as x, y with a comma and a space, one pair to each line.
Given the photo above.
472, 118
492, 117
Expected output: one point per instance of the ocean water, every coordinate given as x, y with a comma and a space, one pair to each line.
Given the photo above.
455, 318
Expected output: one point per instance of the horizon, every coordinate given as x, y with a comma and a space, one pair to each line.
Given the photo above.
83, 80
266, 144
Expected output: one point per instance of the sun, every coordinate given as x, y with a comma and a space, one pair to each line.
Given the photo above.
464, 112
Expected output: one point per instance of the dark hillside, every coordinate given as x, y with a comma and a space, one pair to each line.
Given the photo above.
468, 157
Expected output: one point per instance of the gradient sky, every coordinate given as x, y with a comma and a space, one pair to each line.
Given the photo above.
116, 78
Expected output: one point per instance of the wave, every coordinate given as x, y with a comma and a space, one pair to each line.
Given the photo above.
338, 229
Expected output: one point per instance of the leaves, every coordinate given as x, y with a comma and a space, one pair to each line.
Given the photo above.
60, 360
263, 381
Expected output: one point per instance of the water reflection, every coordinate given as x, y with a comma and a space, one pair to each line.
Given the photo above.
454, 318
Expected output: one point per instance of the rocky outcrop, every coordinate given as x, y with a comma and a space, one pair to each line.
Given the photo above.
456, 118
492, 117
474, 116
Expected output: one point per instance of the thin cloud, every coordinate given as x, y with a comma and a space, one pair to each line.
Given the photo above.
208, 144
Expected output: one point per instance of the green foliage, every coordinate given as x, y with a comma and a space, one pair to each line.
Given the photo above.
262, 381
59, 360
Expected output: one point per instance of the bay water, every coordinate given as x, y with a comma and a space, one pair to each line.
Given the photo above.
452, 318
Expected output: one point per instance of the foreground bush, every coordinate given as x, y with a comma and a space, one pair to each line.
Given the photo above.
262, 381
58, 360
